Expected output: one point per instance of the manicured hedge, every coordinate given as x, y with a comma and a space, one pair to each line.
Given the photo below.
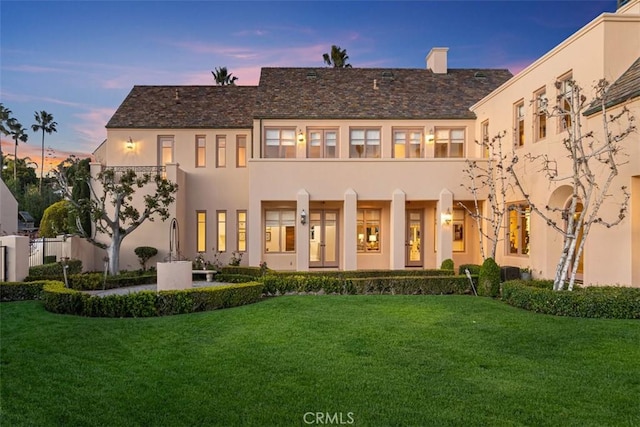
59, 299
604, 302
245, 271
22, 291
234, 278
473, 268
95, 281
356, 274
279, 284
53, 271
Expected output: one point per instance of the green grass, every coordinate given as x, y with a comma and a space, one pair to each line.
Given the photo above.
388, 360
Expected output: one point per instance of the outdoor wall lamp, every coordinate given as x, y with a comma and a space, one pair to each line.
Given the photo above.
303, 217
129, 144
447, 217
429, 136
300, 137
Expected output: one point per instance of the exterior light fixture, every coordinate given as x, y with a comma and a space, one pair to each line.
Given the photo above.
447, 217
303, 217
300, 137
429, 136
129, 144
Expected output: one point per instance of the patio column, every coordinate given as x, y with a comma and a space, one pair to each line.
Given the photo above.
302, 236
444, 230
349, 246
397, 231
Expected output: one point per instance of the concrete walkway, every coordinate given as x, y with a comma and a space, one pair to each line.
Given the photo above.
152, 287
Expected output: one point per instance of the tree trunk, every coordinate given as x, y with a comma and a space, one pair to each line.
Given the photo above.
113, 251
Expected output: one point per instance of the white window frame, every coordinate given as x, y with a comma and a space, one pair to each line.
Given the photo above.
368, 230
450, 136
518, 124
323, 139
280, 227
518, 229
221, 151
201, 151
408, 137
284, 139
540, 119
369, 138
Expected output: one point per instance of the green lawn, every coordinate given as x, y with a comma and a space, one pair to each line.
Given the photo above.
377, 360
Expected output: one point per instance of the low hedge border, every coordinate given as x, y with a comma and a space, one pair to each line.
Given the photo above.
22, 291
53, 271
357, 274
59, 299
280, 284
612, 302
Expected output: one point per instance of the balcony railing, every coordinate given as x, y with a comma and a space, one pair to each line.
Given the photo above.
144, 170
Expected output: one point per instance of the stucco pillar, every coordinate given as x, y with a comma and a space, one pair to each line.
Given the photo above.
255, 231
302, 236
350, 247
17, 257
445, 233
397, 231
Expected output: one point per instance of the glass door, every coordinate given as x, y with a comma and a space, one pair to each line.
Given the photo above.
323, 238
413, 242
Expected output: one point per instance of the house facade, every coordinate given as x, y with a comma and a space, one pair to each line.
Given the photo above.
364, 168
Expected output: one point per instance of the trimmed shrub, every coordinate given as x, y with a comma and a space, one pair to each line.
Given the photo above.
53, 271
447, 264
612, 302
245, 271
367, 273
408, 285
59, 299
144, 254
474, 269
489, 279
95, 281
233, 278
21, 291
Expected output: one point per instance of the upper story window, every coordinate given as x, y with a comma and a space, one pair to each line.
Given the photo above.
484, 130
201, 151
201, 231
165, 148
565, 101
518, 229
449, 143
241, 151
518, 124
280, 144
364, 143
242, 231
407, 143
540, 114
221, 151
323, 143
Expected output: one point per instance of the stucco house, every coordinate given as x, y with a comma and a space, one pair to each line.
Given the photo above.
361, 168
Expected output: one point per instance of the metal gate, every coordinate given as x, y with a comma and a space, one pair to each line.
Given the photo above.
45, 251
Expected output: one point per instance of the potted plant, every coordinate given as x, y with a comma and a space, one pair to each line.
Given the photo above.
525, 273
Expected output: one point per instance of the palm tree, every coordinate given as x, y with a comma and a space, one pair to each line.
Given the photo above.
45, 123
338, 57
17, 132
5, 114
223, 78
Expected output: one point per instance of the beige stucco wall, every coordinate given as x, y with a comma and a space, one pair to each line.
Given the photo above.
8, 211
604, 48
17, 260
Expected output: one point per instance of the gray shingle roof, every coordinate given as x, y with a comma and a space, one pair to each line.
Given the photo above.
198, 107
348, 93
626, 87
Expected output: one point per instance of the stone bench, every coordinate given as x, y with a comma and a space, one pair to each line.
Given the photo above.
209, 273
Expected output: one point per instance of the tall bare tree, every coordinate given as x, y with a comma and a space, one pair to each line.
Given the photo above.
488, 181
113, 209
594, 161
337, 57
44, 122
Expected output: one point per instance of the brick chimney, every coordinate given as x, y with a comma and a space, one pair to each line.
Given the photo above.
437, 60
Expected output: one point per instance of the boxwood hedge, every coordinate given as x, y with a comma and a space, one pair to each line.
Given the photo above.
22, 291
612, 302
59, 299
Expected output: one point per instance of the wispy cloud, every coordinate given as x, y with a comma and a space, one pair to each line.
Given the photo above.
91, 126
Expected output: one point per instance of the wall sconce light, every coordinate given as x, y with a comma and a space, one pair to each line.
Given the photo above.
447, 217
129, 144
429, 137
303, 217
300, 137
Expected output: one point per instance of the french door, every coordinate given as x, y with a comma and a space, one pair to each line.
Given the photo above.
413, 239
323, 238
